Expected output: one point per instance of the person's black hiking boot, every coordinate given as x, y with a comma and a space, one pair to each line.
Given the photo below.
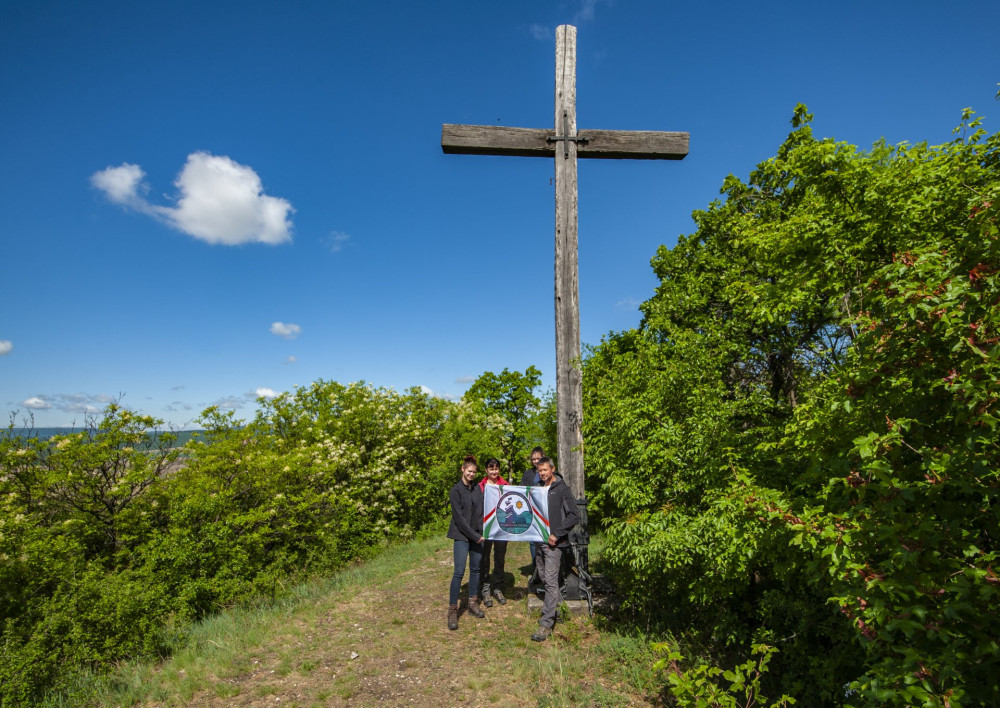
474, 609
541, 634
453, 617
487, 600
498, 594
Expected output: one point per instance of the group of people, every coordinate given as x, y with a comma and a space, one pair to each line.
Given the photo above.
466, 530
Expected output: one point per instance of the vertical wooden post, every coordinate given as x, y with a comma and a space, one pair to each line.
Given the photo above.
564, 146
569, 390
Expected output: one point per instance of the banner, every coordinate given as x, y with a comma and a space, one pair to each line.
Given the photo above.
512, 513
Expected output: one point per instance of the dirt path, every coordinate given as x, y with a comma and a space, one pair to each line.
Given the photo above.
388, 645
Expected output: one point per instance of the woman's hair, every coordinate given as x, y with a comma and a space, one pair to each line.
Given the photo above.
492, 461
469, 460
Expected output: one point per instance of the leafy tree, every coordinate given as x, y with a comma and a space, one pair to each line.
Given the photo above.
510, 395
905, 439
811, 390
544, 422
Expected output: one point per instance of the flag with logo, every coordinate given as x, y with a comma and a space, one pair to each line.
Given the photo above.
513, 513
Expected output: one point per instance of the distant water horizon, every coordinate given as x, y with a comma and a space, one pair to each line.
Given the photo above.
183, 436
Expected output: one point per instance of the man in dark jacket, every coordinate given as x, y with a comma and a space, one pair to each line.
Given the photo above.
562, 517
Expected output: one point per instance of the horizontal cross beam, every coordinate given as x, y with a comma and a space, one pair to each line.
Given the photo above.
532, 142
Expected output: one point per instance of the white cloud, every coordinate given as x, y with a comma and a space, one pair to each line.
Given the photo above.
121, 184
82, 403
290, 360
586, 11
336, 241
628, 303
465, 379
223, 201
220, 201
540, 31
5, 347
230, 402
427, 391
247, 399
285, 331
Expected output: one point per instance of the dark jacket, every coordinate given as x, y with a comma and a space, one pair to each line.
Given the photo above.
562, 511
466, 513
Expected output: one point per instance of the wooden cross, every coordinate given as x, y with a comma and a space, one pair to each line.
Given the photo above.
565, 145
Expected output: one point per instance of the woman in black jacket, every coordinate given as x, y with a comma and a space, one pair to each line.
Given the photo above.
466, 530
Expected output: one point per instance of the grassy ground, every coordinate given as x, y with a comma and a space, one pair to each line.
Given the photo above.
376, 635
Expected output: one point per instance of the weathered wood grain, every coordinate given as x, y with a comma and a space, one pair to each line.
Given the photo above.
495, 140
569, 380
533, 142
633, 144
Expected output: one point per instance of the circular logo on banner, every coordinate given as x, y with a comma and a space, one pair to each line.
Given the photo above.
514, 512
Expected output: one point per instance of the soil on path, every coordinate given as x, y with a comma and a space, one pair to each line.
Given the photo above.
388, 645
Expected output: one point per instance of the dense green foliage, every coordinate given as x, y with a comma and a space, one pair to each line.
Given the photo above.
700, 687
111, 543
526, 420
799, 447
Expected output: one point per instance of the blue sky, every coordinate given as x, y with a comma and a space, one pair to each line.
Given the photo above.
209, 201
